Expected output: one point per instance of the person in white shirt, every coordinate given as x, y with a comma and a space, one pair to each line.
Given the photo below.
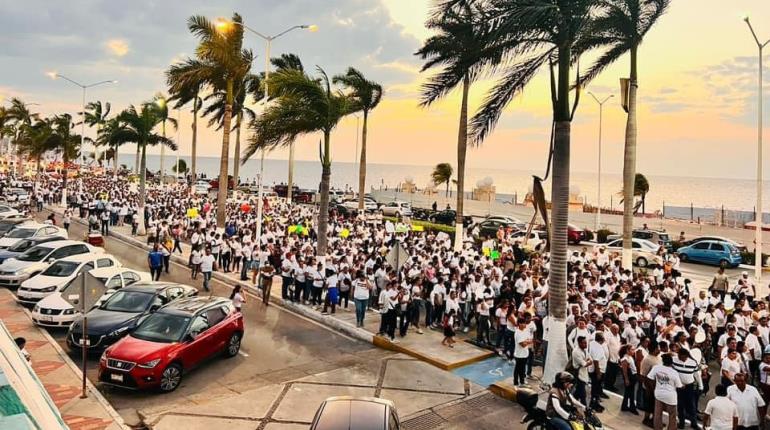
208, 264
632, 333
582, 363
598, 353
522, 338
666, 381
720, 413
687, 397
361, 290
748, 401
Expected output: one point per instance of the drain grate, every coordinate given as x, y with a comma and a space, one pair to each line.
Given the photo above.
428, 421
484, 401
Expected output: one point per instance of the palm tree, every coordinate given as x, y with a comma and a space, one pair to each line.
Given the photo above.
162, 107
21, 116
106, 137
184, 92
138, 127
63, 141
302, 105
620, 28
35, 141
216, 109
96, 116
220, 62
442, 174
458, 48
641, 188
180, 167
531, 34
365, 95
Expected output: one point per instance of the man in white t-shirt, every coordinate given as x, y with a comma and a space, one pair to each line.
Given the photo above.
666, 381
748, 401
208, 263
721, 413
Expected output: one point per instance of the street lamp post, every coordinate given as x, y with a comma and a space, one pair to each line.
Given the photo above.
178, 147
758, 221
268, 43
598, 219
84, 87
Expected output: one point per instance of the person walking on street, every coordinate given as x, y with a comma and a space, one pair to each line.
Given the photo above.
361, 290
720, 283
155, 261
720, 413
208, 265
748, 401
522, 338
105, 217
266, 273
237, 297
67, 220
666, 381
196, 256
686, 397
598, 353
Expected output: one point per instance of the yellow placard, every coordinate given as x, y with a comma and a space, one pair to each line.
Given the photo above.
292, 229
344, 233
192, 212
418, 228
486, 252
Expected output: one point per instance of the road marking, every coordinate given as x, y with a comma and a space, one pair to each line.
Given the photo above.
242, 353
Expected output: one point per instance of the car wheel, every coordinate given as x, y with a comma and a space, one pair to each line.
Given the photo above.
233, 345
641, 262
171, 378
683, 257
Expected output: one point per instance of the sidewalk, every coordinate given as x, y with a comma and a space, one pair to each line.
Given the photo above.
426, 347
60, 376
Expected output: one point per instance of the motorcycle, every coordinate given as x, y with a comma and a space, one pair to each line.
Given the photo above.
534, 404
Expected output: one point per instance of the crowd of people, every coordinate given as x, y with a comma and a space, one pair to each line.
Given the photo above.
651, 335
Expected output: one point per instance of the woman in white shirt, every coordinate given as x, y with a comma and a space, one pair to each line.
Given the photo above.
522, 340
628, 367
237, 297
361, 290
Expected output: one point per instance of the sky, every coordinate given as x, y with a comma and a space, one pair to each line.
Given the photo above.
697, 79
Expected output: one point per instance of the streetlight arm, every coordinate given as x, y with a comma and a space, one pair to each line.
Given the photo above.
246, 27
70, 80
288, 30
754, 34
100, 83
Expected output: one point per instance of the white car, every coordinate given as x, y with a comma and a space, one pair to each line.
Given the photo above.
60, 273
14, 271
54, 311
396, 208
504, 218
535, 241
18, 196
643, 252
369, 206
7, 211
29, 230
201, 187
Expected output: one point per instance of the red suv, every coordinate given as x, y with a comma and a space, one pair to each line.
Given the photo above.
171, 341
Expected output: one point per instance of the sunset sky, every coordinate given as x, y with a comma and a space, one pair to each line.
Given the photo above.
697, 92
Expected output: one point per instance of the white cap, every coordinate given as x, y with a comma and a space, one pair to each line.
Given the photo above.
745, 273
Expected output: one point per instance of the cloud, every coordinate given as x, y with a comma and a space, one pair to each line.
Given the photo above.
117, 47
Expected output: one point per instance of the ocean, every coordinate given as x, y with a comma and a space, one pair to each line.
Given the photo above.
733, 194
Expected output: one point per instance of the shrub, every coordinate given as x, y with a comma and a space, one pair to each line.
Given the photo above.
429, 226
601, 235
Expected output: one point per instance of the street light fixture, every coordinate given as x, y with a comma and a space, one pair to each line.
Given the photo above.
222, 25
84, 87
598, 219
758, 221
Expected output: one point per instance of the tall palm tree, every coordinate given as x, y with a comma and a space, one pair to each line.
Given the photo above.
530, 35
249, 85
442, 174
106, 137
458, 49
35, 141
641, 188
619, 29
67, 144
139, 127
21, 117
185, 92
96, 116
162, 106
365, 95
220, 62
302, 105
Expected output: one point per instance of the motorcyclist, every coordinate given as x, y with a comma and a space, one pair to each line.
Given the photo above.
561, 404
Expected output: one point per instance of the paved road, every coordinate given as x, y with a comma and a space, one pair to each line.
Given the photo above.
287, 366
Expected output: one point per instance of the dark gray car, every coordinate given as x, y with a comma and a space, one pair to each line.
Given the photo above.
356, 413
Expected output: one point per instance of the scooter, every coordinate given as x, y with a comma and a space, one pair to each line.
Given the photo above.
534, 404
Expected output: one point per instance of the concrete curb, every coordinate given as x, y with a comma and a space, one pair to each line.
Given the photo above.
92, 390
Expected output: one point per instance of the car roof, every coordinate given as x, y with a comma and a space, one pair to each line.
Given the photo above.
337, 413
193, 305
80, 258
56, 244
149, 286
33, 224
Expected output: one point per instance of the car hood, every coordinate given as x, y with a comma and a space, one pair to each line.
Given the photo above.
12, 265
5, 254
101, 322
6, 242
54, 301
42, 281
140, 351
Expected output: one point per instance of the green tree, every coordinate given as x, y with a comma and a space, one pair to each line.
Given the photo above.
442, 174
96, 115
161, 104
620, 28
302, 105
139, 127
458, 48
530, 35
35, 141
181, 167
64, 142
184, 92
220, 62
365, 96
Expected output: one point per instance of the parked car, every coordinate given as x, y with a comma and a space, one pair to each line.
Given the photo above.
303, 196
575, 234
7, 211
111, 320
170, 342
504, 218
711, 252
353, 205
59, 274
9, 223
54, 311
741, 247
489, 227
421, 214
448, 217
14, 271
347, 412
655, 236
230, 183
396, 208
643, 252
17, 196
28, 230
535, 241
21, 246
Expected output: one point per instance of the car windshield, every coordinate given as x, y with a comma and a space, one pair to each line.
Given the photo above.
6, 227
21, 233
663, 237
36, 253
162, 327
128, 301
61, 268
21, 245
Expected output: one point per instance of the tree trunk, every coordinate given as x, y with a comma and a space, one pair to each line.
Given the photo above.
629, 167
362, 164
64, 178
462, 146
323, 215
142, 230
237, 156
224, 158
194, 142
136, 164
115, 163
447, 189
